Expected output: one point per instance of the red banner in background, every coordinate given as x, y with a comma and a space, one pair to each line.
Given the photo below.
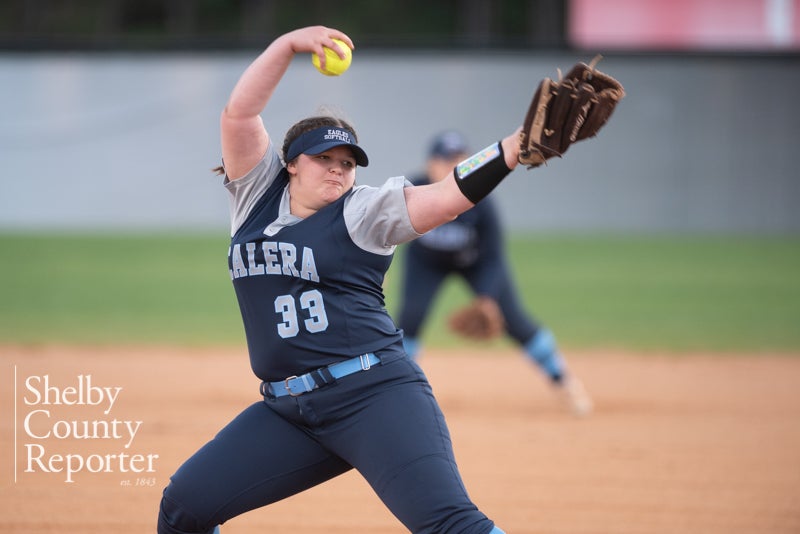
685, 24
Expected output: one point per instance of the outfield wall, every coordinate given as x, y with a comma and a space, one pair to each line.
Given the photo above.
700, 144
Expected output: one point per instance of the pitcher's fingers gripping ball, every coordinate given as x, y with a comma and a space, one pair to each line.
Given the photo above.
569, 110
334, 65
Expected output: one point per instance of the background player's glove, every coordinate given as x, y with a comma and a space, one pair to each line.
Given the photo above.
569, 110
480, 319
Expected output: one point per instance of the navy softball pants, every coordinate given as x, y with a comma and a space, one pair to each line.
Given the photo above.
384, 422
423, 277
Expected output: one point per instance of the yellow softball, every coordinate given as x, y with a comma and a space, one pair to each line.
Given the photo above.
334, 65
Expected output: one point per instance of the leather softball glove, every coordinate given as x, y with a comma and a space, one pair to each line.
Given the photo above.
566, 111
480, 319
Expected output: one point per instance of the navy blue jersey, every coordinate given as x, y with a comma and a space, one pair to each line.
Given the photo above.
309, 295
471, 246
459, 244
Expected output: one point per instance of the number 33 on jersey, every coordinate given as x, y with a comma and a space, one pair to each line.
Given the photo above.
282, 259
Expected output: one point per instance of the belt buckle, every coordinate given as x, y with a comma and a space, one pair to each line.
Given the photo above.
364, 360
288, 389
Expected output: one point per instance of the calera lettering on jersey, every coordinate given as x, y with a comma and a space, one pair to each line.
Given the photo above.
272, 257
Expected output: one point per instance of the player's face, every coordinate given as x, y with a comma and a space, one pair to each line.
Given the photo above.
318, 180
439, 168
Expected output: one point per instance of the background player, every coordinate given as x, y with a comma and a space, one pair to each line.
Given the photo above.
472, 247
308, 256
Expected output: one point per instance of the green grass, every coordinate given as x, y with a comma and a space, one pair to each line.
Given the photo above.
655, 293
129, 289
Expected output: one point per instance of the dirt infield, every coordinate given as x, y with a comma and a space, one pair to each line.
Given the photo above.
699, 444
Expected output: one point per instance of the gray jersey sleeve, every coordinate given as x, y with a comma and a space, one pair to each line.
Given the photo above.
247, 190
377, 217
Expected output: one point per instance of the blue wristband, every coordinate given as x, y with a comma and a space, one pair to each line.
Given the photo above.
480, 173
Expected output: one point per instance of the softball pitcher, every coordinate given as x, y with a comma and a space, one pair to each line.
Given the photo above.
472, 247
308, 254
307, 258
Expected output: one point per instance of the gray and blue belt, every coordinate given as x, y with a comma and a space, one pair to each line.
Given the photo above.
305, 383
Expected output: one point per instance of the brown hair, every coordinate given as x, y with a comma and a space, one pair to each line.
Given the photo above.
303, 126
